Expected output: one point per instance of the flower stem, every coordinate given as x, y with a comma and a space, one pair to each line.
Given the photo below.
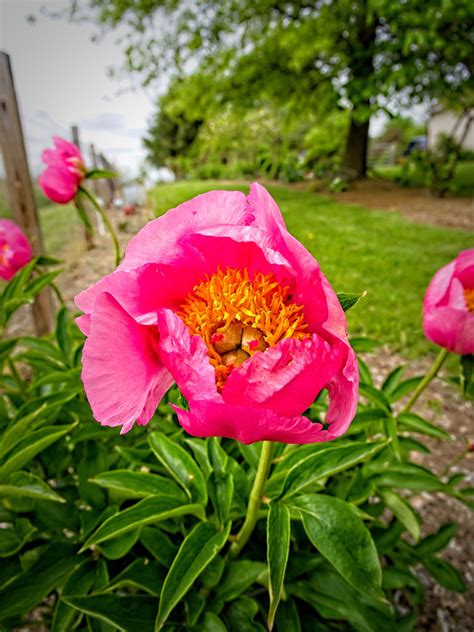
104, 215
255, 499
435, 367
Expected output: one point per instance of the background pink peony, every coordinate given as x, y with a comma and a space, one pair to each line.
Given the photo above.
15, 249
137, 345
64, 171
447, 319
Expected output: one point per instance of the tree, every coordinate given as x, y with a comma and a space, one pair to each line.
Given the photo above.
361, 55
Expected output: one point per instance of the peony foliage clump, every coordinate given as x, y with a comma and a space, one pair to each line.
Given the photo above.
208, 514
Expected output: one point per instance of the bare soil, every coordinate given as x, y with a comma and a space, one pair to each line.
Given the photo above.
415, 203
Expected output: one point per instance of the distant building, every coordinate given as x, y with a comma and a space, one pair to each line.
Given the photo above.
449, 122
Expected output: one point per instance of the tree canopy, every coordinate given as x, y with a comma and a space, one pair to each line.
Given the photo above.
360, 55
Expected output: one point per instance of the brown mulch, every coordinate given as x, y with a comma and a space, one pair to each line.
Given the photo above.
415, 203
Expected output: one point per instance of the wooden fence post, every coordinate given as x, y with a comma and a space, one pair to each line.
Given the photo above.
87, 233
19, 185
97, 186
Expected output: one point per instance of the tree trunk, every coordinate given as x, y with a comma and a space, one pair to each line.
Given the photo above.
354, 164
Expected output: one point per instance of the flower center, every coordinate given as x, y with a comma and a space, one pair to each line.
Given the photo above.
469, 298
238, 315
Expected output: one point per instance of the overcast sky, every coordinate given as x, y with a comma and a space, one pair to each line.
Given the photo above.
61, 79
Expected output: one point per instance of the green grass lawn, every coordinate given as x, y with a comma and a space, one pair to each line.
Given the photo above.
359, 249
463, 179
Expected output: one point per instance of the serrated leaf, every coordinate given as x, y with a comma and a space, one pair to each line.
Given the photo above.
198, 549
278, 547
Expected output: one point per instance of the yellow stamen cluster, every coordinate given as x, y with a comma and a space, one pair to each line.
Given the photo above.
237, 315
469, 297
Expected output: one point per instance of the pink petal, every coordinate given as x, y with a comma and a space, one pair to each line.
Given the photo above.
15, 243
437, 292
450, 328
186, 358
58, 185
159, 240
69, 150
122, 374
343, 395
213, 419
285, 378
465, 268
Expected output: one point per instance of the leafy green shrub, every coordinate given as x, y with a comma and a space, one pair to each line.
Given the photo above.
138, 532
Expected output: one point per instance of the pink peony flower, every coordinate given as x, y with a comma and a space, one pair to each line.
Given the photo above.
218, 297
15, 249
65, 170
448, 308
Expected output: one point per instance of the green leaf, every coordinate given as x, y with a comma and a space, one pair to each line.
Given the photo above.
83, 214
180, 465
239, 575
467, 372
325, 462
30, 446
118, 547
241, 614
159, 545
140, 574
406, 475
210, 622
348, 300
78, 583
278, 547
128, 613
12, 538
403, 511
287, 617
198, 548
392, 380
375, 396
28, 589
62, 333
148, 511
341, 537
437, 541
138, 484
95, 174
362, 344
444, 573
415, 423
27, 485
404, 388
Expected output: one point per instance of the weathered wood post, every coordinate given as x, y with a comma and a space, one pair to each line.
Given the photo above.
87, 233
20, 189
97, 186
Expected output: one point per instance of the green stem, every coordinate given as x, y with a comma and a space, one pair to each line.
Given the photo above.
435, 367
255, 499
104, 215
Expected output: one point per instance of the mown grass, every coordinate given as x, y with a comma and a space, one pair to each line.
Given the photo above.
358, 249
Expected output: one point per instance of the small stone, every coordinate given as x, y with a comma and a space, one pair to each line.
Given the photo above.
252, 340
230, 339
235, 358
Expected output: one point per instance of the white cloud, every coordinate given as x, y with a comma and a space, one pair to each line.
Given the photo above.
61, 80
